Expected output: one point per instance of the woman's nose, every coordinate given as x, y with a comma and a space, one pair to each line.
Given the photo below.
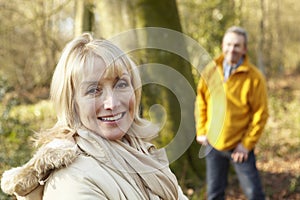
110, 101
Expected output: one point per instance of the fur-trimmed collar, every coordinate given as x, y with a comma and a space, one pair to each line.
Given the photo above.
54, 155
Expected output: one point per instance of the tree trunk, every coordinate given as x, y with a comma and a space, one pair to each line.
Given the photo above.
84, 18
261, 40
116, 16
165, 14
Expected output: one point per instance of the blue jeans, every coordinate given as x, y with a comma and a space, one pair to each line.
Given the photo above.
217, 166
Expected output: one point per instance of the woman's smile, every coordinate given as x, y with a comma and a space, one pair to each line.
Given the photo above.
112, 118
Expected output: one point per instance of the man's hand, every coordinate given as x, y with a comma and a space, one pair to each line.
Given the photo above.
240, 154
202, 139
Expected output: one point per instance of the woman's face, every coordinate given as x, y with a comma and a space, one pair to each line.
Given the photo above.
105, 103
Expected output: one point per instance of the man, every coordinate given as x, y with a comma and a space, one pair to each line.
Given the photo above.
245, 112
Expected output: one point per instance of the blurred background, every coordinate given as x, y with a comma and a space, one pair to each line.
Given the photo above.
34, 32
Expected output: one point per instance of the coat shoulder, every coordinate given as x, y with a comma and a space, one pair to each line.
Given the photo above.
86, 178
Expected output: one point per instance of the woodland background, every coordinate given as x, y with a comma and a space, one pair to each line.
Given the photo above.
34, 32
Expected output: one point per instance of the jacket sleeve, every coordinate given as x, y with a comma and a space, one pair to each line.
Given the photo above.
201, 109
259, 112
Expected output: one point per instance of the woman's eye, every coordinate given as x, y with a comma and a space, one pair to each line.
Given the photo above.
94, 91
122, 84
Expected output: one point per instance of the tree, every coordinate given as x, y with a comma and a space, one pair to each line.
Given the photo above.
206, 21
30, 41
84, 17
111, 18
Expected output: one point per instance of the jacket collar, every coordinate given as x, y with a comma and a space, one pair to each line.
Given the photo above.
244, 67
54, 155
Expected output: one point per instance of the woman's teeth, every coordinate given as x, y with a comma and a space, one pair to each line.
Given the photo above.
113, 118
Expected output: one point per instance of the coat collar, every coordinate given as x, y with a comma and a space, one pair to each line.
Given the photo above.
54, 155
244, 67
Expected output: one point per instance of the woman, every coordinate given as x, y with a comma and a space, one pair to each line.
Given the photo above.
98, 148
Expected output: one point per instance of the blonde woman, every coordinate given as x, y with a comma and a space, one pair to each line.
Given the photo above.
98, 148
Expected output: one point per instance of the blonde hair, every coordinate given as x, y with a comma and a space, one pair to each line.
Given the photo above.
76, 56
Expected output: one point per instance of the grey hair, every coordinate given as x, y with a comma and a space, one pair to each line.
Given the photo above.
238, 30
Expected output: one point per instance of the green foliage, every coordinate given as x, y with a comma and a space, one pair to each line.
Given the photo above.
17, 125
38, 116
4, 86
209, 20
14, 140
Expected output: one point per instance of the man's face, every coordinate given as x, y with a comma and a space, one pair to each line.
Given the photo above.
233, 47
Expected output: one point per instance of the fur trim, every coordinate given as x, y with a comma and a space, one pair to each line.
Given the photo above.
54, 155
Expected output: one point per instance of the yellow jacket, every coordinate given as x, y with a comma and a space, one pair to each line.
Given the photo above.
232, 111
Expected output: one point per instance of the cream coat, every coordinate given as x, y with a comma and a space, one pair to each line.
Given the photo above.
63, 170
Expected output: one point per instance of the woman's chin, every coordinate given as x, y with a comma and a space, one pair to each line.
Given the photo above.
112, 135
